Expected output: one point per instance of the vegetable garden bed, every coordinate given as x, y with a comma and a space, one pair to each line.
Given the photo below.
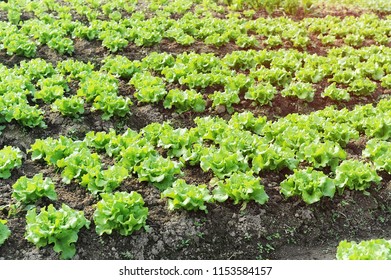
192, 129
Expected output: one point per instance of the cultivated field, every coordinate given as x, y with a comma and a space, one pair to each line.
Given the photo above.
178, 129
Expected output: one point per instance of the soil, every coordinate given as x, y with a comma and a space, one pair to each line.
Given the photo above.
280, 229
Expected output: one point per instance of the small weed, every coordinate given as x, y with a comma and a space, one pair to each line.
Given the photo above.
344, 203
183, 244
273, 236
247, 236
127, 255
290, 232
264, 249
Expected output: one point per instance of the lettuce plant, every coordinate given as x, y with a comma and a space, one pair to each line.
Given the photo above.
263, 93
149, 88
177, 142
386, 81
118, 143
221, 162
247, 121
197, 80
309, 74
245, 41
85, 32
341, 133
335, 93
22, 112
179, 36
51, 150
121, 211
210, 128
343, 76
187, 196
310, 184
275, 76
62, 45
225, 98
4, 232
77, 164
113, 40
20, 44
58, 227
29, 190
239, 140
300, 90
69, 106
240, 187
111, 104
49, 94
355, 175
36, 69
74, 69
362, 87
135, 152
274, 157
158, 61
322, 154
53, 80
354, 39
378, 126
147, 36
152, 131
99, 140
121, 66
242, 60
184, 101
217, 40
375, 249
379, 152
97, 84
273, 40
158, 170
10, 158
108, 180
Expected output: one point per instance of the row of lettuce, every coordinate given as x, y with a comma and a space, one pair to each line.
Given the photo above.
257, 76
69, 222
237, 152
94, 9
57, 27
